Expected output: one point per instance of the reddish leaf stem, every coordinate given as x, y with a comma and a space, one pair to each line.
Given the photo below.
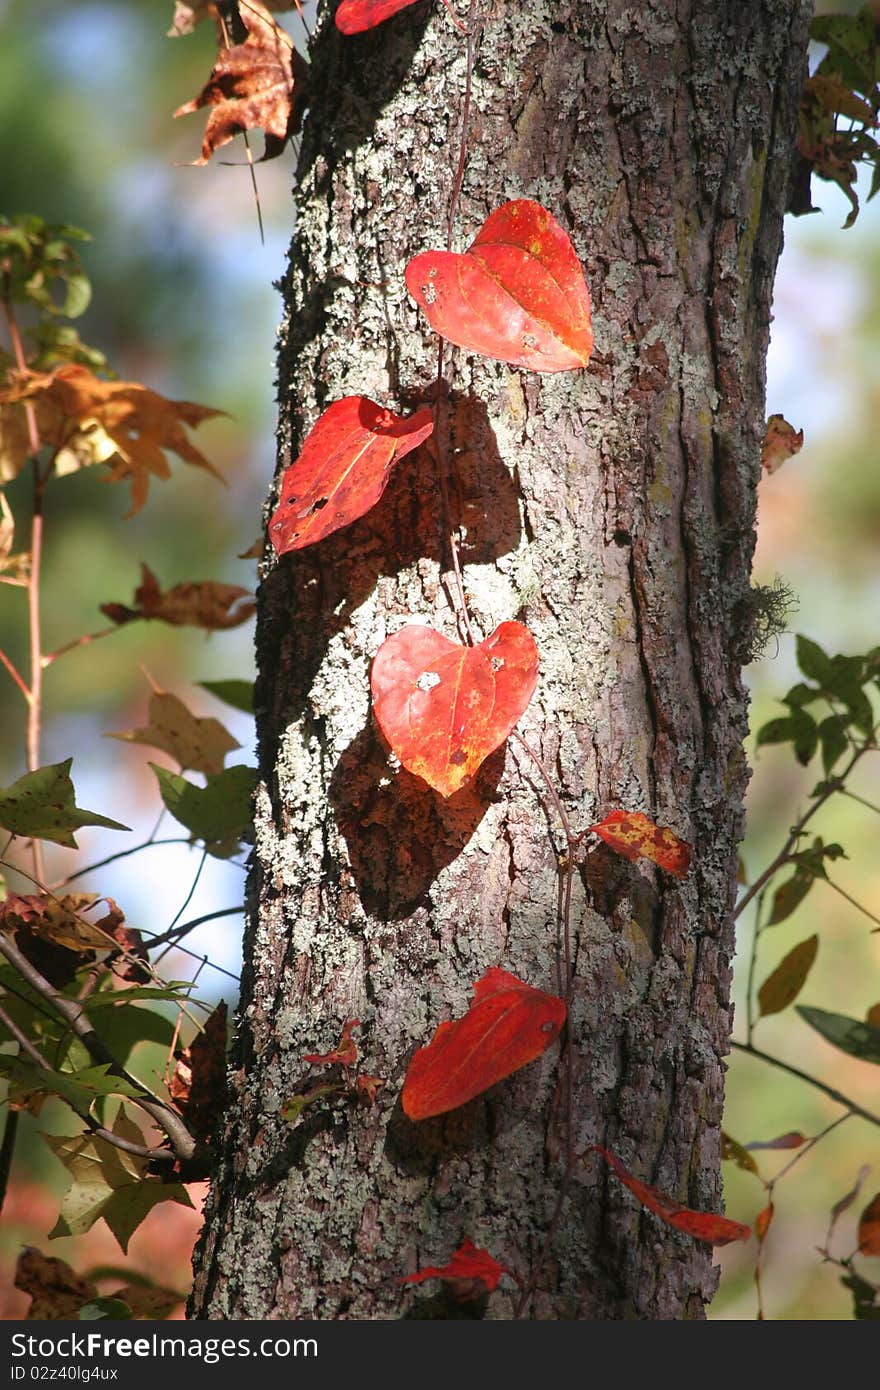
79, 642
15, 674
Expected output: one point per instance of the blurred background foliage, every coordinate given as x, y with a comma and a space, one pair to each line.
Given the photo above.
183, 302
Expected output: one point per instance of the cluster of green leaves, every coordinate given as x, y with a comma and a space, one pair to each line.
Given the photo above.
843, 684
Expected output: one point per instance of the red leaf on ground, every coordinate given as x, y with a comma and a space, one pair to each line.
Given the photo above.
635, 836
508, 1025
468, 1263
518, 293
343, 469
354, 16
442, 707
345, 1052
869, 1228
703, 1225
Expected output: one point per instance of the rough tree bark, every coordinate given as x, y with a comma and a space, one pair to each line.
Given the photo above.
612, 510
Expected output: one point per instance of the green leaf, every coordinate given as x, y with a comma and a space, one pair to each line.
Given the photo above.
107, 1182
218, 813
812, 661
28, 1083
853, 1037
105, 1309
127, 1206
41, 806
784, 984
239, 694
798, 728
833, 740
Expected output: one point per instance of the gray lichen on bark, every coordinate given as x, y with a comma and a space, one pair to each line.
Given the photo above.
610, 509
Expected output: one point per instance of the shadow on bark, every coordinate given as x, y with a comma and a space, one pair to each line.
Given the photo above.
398, 832
311, 595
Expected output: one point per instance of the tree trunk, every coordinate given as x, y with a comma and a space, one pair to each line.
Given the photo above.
612, 511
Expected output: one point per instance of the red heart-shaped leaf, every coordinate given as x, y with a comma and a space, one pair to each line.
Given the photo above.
443, 707
468, 1263
508, 1025
354, 16
634, 835
518, 293
703, 1225
343, 469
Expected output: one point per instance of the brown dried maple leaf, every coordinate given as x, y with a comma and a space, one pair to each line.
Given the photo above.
205, 603
258, 83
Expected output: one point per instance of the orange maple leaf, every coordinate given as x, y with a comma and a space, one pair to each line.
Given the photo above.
86, 420
258, 83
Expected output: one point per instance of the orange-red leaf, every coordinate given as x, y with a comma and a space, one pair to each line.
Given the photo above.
508, 1025
369, 1086
792, 1140
634, 835
702, 1225
763, 1221
345, 1052
260, 82
354, 16
343, 469
869, 1228
443, 707
518, 293
468, 1263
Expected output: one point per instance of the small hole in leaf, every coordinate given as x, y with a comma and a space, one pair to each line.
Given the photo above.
548, 1027
496, 663
529, 341
427, 680
316, 506
430, 293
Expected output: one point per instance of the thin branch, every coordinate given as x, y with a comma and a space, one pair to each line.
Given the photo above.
174, 933
829, 1091
16, 675
120, 854
79, 642
795, 834
140, 1150
72, 1012
862, 800
7, 1151
843, 893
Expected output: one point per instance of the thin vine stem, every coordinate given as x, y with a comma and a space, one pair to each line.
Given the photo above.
830, 1091
15, 674
127, 1145
72, 1012
794, 834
